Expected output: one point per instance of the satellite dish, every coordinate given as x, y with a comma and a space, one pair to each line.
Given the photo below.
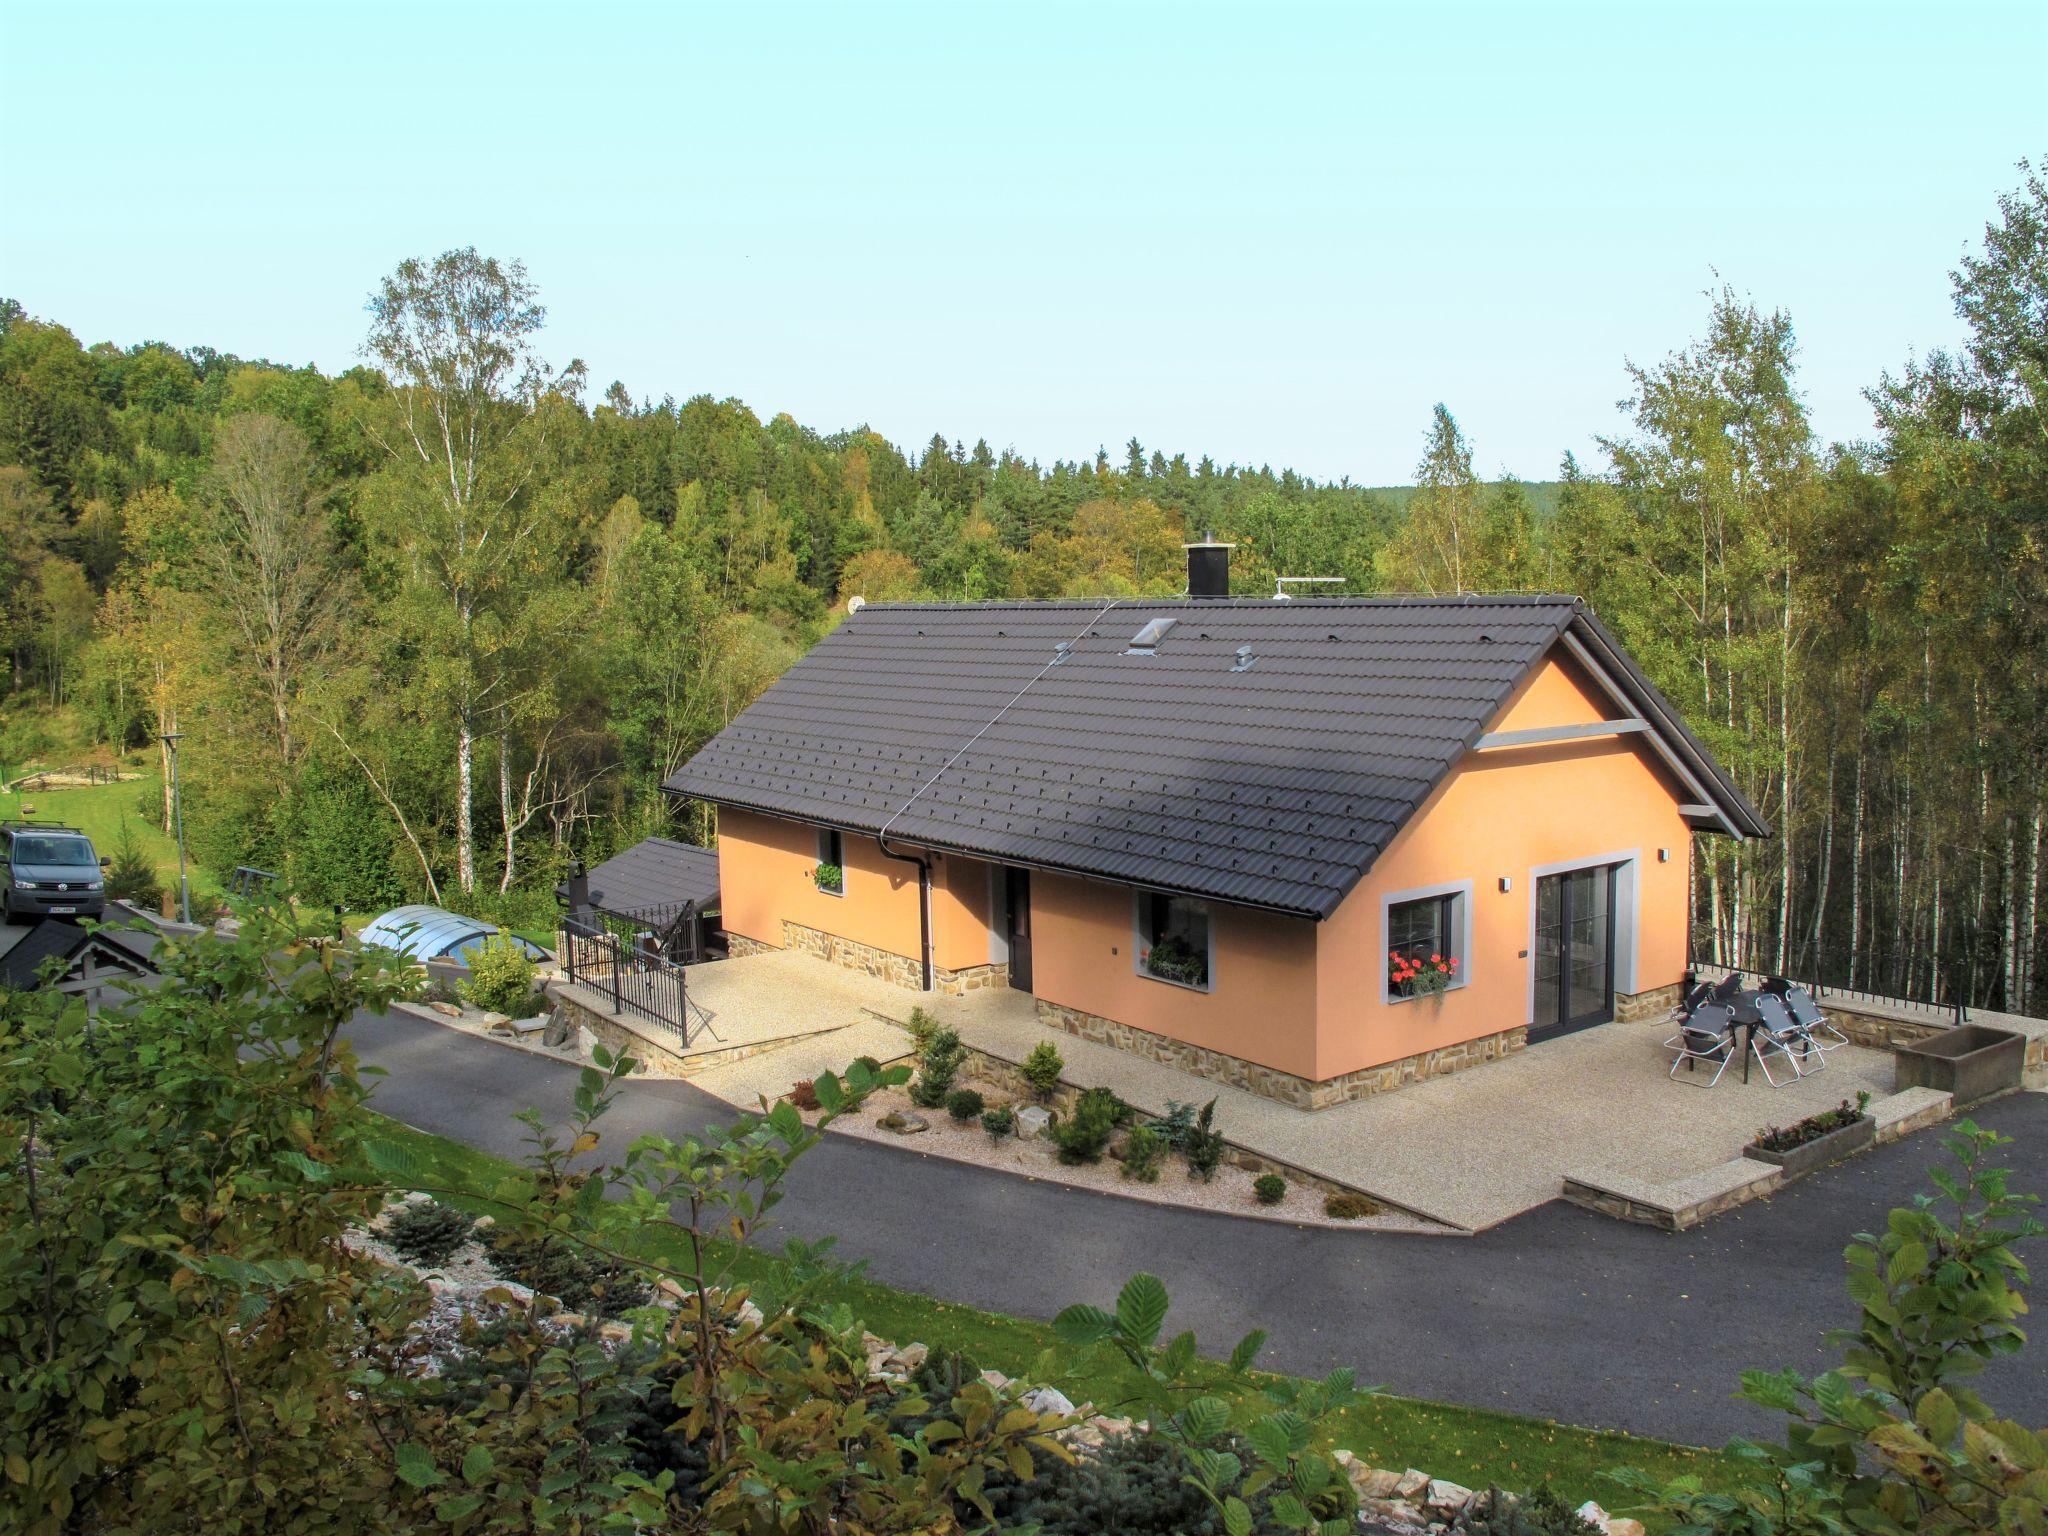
855, 604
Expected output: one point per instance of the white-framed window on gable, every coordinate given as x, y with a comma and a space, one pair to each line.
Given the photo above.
1174, 941
1425, 938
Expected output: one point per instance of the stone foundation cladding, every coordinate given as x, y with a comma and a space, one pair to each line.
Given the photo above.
899, 970
1270, 1082
1631, 1007
738, 945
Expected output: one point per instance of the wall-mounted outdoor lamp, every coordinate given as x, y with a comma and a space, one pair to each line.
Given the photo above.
1663, 855
1506, 884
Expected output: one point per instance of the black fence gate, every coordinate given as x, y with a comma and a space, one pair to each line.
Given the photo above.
634, 977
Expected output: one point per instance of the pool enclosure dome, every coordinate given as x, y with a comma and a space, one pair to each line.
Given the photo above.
423, 933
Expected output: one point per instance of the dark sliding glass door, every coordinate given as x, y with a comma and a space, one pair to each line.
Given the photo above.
1574, 954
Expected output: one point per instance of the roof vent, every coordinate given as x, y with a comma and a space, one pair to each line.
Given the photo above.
1244, 659
1062, 651
1146, 641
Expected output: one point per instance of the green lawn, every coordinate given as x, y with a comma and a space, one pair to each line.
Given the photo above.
1467, 1445
104, 811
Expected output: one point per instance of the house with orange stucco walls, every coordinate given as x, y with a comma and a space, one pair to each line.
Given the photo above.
1316, 848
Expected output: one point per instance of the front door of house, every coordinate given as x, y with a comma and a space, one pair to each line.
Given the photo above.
1574, 954
1017, 925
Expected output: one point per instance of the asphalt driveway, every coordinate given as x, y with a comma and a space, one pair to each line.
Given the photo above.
1558, 1313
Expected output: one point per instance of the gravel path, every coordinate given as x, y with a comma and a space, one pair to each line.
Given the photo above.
1558, 1313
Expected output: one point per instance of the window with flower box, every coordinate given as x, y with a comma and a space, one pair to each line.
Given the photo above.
1173, 940
1425, 944
830, 873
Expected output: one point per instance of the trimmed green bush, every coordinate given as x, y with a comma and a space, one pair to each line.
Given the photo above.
1269, 1189
1539, 1513
964, 1104
562, 1270
501, 979
1082, 1135
1042, 1069
939, 1059
428, 1234
999, 1122
1144, 1150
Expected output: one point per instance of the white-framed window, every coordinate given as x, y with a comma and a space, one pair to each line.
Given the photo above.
1174, 941
830, 873
1425, 937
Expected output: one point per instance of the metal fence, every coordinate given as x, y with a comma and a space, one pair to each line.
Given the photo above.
675, 930
1944, 1000
633, 978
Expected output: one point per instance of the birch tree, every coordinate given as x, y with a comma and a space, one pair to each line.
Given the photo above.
467, 430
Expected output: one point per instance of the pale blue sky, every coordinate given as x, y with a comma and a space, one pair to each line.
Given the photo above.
1274, 234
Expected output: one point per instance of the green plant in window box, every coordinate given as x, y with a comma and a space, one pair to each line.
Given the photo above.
1173, 959
1419, 976
830, 877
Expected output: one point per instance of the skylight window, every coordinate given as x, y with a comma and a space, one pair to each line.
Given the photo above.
1146, 641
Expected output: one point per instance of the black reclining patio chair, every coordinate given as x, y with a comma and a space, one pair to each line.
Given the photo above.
1707, 1034
1727, 989
1695, 992
1778, 1032
1806, 1013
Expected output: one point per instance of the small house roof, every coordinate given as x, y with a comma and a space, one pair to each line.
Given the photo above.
655, 873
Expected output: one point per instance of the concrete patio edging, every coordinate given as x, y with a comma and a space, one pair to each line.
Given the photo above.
1684, 1203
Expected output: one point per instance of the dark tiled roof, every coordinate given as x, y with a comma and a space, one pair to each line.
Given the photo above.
53, 938
658, 872
1276, 785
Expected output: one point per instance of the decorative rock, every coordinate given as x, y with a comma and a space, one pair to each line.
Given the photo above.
449, 1009
1048, 1400
1032, 1120
494, 1020
419, 1197
906, 1125
1593, 1515
1445, 1498
1411, 1484
995, 1381
484, 1224
1621, 1525
1374, 1482
560, 1032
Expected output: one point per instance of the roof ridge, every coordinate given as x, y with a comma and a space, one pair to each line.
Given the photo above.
1362, 600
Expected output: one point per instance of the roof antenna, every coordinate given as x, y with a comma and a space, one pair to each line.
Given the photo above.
1281, 584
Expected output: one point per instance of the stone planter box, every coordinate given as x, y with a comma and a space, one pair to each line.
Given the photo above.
1821, 1151
1972, 1062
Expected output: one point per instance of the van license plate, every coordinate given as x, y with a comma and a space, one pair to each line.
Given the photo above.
62, 911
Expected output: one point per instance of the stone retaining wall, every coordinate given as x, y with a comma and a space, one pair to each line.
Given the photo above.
1685, 1203
650, 1046
1271, 1082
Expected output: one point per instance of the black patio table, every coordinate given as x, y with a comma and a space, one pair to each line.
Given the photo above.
1742, 1015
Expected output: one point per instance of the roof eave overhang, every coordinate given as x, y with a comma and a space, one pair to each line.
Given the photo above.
1049, 866
1715, 804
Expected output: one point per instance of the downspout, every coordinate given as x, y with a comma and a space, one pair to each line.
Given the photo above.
924, 903
924, 867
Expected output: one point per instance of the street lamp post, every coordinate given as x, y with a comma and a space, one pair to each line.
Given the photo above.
171, 740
